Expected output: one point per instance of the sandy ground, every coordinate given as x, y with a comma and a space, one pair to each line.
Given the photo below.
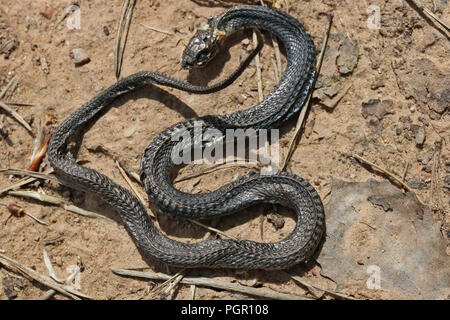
394, 114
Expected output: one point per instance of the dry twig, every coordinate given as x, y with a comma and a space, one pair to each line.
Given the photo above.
420, 5
157, 30
33, 275
206, 282
16, 116
312, 289
389, 174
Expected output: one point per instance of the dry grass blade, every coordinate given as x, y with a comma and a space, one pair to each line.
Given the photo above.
166, 284
303, 112
130, 172
40, 175
21, 183
56, 201
389, 174
192, 291
16, 116
123, 28
157, 30
312, 288
50, 268
206, 282
19, 104
214, 230
46, 281
15, 79
420, 5
84, 213
125, 176
214, 168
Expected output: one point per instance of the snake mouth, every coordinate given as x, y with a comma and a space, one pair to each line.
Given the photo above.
186, 65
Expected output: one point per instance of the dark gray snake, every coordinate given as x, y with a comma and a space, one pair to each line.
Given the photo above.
280, 188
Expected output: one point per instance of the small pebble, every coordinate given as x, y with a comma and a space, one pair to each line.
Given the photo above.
79, 56
45, 9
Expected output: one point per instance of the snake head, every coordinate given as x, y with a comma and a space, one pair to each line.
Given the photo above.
202, 47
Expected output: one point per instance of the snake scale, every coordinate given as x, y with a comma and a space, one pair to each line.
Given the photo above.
280, 188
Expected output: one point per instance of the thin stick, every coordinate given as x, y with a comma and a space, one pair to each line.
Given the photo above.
206, 282
19, 104
170, 290
163, 285
390, 174
40, 175
303, 112
312, 288
47, 295
56, 201
216, 167
35, 219
420, 5
21, 183
434, 174
157, 30
10, 83
192, 290
130, 172
124, 175
405, 171
84, 213
16, 116
46, 281
214, 230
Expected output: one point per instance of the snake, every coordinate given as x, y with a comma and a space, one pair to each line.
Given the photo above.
282, 188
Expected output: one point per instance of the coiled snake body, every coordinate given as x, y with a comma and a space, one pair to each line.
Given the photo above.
282, 188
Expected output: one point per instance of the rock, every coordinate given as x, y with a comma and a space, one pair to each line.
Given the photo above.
428, 40
377, 108
45, 9
348, 56
427, 85
322, 131
447, 182
79, 56
380, 202
355, 133
419, 133
416, 183
379, 83
406, 248
11, 285
276, 219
